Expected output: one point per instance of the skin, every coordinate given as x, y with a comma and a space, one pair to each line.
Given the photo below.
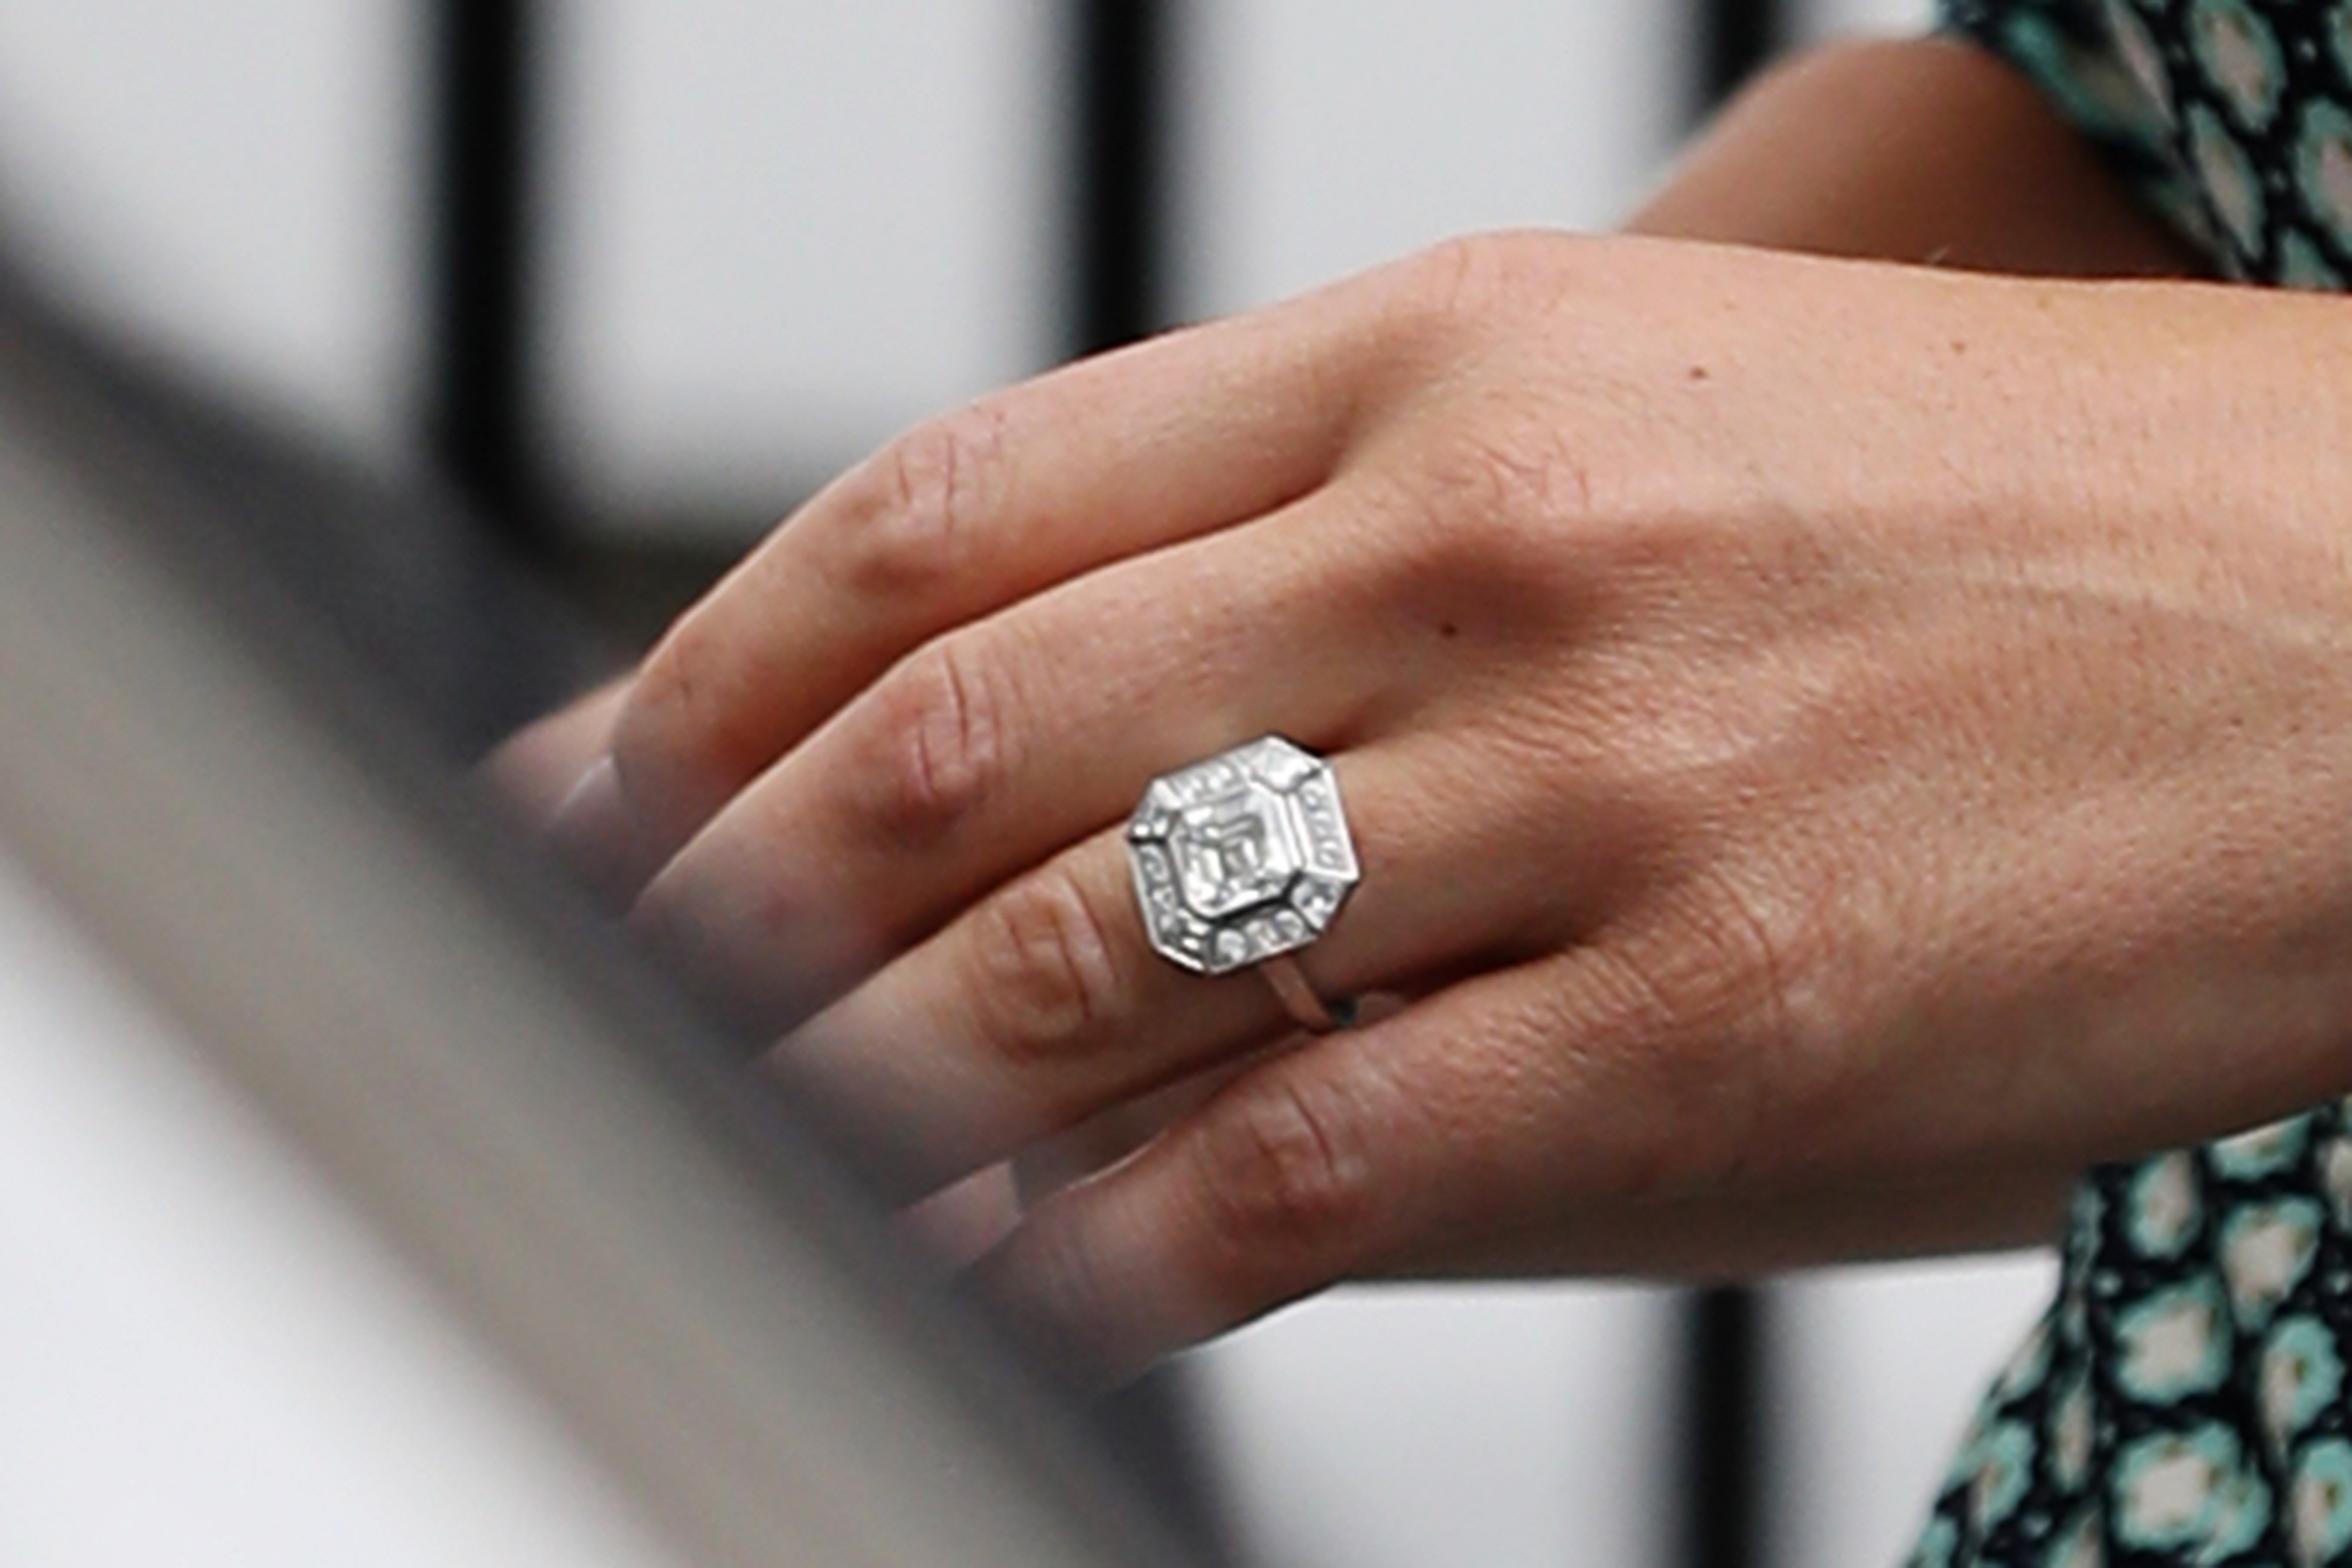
1836, 747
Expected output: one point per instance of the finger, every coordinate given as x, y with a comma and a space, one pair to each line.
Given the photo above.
1524, 1098
1104, 1138
1317, 1166
956, 1224
1095, 1146
1044, 1005
969, 514
997, 745
535, 767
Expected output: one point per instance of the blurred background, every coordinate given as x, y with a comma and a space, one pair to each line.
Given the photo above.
632, 276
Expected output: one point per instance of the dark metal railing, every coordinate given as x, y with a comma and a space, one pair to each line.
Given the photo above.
1124, 115
478, 424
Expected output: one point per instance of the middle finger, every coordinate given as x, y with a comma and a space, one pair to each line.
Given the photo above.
994, 747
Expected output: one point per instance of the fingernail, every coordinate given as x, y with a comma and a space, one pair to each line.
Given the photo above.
595, 835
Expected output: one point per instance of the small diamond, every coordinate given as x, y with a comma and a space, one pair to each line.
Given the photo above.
1230, 947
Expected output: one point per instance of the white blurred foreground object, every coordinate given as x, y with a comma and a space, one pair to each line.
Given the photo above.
234, 184
599, 1262
210, 1360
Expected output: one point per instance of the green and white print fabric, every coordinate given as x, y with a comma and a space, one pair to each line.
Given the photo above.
2232, 116
2184, 1401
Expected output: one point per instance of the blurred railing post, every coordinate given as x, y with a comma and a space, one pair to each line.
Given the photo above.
478, 428
1735, 38
1122, 119
1718, 1497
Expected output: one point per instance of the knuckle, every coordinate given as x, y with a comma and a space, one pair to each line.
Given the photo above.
921, 510
939, 745
1281, 1163
1639, 1039
1790, 1001
1505, 474
1047, 964
1485, 509
1444, 282
1460, 284
1059, 1289
1729, 969
1457, 276
1713, 1033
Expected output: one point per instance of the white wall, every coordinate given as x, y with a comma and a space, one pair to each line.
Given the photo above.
1876, 1371
1824, 18
1328, 135
234, 180
1511, 1426
208, 1360
783, 231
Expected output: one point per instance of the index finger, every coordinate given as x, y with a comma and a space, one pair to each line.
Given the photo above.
961, 517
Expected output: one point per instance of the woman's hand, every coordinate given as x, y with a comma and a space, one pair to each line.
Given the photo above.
1820, 737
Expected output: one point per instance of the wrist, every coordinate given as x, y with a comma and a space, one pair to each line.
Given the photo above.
2164, 464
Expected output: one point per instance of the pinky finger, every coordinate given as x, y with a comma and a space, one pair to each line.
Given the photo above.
1095, 1146
1321, 1164
956, 1224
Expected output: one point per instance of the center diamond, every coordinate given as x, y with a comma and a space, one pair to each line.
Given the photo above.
1234, 849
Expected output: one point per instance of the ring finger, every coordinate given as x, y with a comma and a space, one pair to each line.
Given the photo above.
1044, 1003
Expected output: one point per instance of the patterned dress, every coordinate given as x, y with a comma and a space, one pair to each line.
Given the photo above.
2186, 1400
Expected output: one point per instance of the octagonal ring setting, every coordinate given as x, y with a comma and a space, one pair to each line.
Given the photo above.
1240, 860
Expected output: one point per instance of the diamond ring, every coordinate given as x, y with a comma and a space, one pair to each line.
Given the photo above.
1241, 859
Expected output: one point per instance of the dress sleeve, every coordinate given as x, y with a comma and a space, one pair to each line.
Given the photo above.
2098, 65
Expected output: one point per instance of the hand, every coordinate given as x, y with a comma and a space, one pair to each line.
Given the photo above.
1833, 748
